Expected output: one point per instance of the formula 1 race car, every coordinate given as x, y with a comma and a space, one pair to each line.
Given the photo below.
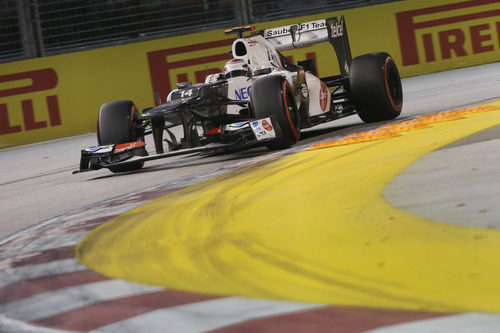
260, 99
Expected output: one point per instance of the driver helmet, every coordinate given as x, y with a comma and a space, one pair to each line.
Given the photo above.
235, 67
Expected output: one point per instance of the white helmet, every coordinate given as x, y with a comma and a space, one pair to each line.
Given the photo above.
235, 67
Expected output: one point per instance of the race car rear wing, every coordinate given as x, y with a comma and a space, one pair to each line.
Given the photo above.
305, 34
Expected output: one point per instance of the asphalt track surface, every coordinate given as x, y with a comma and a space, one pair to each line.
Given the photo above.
408, 241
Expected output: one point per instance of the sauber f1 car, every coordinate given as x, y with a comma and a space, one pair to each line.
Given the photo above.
260, 99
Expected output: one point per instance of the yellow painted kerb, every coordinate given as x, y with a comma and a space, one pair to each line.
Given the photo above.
312, 227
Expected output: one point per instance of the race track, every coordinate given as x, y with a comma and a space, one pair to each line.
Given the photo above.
441, 171
44, 168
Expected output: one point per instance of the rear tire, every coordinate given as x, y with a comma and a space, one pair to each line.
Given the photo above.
273, 97
375, 87
115, 125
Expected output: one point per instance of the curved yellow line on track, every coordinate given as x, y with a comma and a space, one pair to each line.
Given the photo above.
311, 227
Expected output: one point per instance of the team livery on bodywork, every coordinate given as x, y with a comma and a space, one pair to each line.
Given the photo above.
259, 99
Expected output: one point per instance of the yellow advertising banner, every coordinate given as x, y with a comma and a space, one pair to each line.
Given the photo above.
57, 96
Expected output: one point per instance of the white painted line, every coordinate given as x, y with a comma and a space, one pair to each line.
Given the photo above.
45, 243
11, 325
460, 323
101, 211
17, 274
55, 302
205, 316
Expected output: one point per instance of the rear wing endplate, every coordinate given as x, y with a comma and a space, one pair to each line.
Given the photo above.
309, 33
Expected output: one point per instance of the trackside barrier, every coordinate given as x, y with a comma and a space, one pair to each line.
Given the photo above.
57, 96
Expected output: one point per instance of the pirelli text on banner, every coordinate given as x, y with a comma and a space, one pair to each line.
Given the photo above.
449, 31
24, 85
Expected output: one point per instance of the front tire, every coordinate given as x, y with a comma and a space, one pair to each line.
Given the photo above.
115, 125
375, 87
273, 97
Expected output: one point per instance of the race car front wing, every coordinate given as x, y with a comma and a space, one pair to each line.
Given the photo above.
115, 155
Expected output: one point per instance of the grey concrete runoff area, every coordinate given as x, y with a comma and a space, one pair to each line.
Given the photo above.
457, 184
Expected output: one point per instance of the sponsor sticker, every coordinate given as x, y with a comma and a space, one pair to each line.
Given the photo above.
302, 27
128, 146
242, 94
266, 125
100, 149
235, 126
263, 129
238, 125
323, 97
337, 28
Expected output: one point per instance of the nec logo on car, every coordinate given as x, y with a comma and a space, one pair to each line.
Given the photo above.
243, 93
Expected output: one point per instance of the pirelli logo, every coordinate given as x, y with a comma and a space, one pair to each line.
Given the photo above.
172, 65
443, 32
25, 85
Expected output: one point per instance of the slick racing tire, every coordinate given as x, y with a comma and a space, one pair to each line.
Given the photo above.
375, 87
272, 96
115, 125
